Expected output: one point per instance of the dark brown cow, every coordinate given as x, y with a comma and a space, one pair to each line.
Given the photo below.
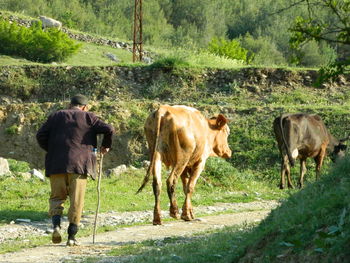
182, 138
302, 136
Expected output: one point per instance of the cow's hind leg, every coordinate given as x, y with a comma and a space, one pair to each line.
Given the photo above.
285, 171
302, 172
187, 209
171, 186
319, 161
157, 186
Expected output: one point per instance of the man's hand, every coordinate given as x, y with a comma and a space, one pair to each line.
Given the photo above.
104, 150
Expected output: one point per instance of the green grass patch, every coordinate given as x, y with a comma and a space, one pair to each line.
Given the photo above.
89, 54
204, 247
31, 199
311, 225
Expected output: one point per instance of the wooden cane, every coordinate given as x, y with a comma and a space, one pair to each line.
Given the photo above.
98, 195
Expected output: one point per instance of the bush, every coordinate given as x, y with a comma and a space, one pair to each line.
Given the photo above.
230, 49
313, 54
34, 43
262, 51
170, 62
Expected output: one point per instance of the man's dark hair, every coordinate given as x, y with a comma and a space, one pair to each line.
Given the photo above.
79, 100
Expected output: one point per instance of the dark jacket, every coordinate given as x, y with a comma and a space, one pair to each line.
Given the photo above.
68, 137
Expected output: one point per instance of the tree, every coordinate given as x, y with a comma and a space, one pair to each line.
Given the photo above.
333, 29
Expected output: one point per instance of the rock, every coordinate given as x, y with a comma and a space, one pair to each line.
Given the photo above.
112, 57
4, 166
50, 22
22, 220
145, 164
116, 171
49, 231
37, 174
147, 60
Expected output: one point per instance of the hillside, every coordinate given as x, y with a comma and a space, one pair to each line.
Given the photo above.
124, 96
261, 26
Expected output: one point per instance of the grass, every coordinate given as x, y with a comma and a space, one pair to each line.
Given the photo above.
88, 55
205, 247
91, 54
30, 200
312, 225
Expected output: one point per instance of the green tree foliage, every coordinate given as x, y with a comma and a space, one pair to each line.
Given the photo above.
313, 55
192, 24
35, 44
333, 29
262, 51
228, 48
199, 20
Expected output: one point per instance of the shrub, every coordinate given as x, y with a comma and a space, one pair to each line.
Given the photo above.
218, 168
170, 62
313, 54
262, 51
230, 49
34, 43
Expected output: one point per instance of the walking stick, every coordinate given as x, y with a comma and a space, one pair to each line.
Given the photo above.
98, 195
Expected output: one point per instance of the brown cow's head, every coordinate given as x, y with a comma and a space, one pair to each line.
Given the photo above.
222, 131
338, 151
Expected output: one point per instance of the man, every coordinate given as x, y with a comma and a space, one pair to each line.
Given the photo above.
69, 138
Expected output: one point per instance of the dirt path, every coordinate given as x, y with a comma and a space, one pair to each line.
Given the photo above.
106, 241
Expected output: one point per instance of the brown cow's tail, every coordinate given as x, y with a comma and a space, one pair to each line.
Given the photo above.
286, 146
151, 165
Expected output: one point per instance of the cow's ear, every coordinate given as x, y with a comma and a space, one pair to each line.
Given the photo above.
221, 121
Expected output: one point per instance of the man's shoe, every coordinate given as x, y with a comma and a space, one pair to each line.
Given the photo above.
72, 242
56, 235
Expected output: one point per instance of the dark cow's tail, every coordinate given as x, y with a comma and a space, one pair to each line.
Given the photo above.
158, 118
286, 146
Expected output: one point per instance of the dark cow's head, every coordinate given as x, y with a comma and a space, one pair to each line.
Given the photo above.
222, 131
339, 151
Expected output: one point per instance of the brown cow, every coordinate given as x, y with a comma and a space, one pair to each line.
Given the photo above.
302, 136
182, 138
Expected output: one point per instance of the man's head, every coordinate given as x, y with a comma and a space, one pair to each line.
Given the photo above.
79, 101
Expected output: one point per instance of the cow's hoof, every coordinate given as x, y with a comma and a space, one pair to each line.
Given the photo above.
175, 215
281, 187
157, 223
186, 217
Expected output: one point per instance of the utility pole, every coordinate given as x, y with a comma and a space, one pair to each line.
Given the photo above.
137, 40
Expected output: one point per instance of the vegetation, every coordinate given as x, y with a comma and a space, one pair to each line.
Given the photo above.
30, 200
230, 49
34, 43
252, 173
310, 225
261, 26
334, 31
